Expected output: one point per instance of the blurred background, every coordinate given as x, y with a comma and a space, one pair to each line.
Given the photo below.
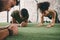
31, 6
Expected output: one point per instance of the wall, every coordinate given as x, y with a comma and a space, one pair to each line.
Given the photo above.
31, 6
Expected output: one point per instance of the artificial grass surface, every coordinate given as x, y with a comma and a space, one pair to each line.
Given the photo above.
32, 32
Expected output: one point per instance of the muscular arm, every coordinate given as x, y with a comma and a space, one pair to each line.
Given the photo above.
11, 30
41, 22
3, 34
53, 17
42, 19
13, 20
23, 23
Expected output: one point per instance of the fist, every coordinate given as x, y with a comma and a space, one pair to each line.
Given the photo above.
14, 28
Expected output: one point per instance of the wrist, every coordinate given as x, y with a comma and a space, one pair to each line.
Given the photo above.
52, 23
10, 32
19, 25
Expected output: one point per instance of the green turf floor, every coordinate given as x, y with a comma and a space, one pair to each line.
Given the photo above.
32, 32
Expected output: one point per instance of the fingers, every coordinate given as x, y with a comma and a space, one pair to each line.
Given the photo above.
14, 28
40, 24
50, 25
23, 24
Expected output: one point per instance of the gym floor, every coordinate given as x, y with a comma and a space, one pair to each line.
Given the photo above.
32, 32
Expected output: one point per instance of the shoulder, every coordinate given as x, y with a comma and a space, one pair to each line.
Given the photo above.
14, 13
52, 11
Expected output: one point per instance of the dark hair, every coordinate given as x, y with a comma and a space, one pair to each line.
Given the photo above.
1, 5
17, 2
16, 11
24, 13
43, 6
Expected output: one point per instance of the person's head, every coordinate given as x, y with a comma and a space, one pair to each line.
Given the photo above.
6, 5
16, 11
24, 13
43, 6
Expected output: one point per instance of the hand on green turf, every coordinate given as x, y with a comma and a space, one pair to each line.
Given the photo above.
14, 28
50, 25
23, 24
40, 24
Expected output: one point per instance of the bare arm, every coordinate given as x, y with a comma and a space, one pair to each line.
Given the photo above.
11, 30
24, 23
42, 19
53, 19
3, 34
41, 22
13, 20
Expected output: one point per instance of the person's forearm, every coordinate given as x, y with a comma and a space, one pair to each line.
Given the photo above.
41, 19
53, 18
13, 21
3, 34
53, 22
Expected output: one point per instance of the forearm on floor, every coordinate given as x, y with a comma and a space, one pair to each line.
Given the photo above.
42, 20
52, 23
4, 33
